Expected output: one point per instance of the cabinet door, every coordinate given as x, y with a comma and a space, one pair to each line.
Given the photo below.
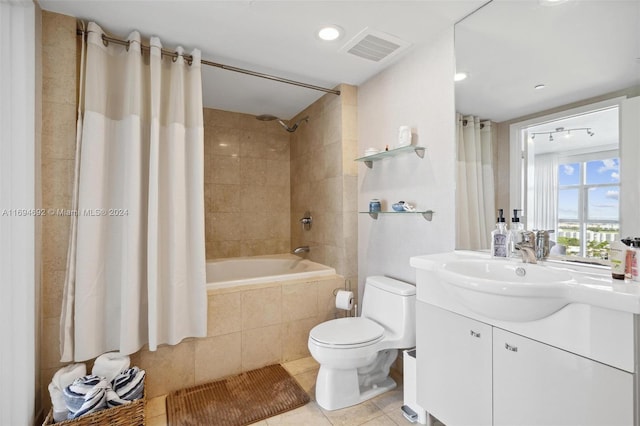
453, 367
537, 384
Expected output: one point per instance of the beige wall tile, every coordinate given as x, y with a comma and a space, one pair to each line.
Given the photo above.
224, 313
261, 307
225, 198
58, 30
222, 249
348, 94
299, 301
326, 299
50, 345
55, 239
57, 182
52, 290
261, 346
225, 169
226, 226
217, 357
169, 368
295, 345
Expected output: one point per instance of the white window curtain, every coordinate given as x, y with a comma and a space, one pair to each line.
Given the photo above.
19, 270
545, 193
136, 267
475, 192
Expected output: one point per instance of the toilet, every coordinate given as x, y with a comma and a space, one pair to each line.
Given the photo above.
355, 354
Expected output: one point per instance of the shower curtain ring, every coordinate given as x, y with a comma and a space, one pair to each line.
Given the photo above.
105, 41
175, 57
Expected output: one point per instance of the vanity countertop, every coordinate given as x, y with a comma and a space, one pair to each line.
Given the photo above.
588, 284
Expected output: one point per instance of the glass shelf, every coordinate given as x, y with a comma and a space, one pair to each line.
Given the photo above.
369, 159
427, 214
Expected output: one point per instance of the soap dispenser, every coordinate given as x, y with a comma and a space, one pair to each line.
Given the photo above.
499, 237
516, 235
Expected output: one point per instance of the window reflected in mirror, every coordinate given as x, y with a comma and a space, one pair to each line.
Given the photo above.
576, 182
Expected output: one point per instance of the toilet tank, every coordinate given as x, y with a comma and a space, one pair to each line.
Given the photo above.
392, 304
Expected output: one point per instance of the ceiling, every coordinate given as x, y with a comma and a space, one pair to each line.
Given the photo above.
578, 49
273, 37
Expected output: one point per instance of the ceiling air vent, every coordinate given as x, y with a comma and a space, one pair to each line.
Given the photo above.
375, 45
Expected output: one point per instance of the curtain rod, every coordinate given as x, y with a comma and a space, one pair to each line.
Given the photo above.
106, 40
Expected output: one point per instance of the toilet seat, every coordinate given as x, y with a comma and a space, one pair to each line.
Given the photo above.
347, 333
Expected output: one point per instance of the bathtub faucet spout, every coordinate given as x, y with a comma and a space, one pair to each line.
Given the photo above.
301, 249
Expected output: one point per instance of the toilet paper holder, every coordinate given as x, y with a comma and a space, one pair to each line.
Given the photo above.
347, 286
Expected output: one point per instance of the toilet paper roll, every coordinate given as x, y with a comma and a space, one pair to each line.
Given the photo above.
344, 300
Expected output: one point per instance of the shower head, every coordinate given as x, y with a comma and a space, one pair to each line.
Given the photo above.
269, 117
266, 117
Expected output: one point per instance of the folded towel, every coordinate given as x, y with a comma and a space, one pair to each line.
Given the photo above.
113, 400
94, 400
129, 385
109, 365
75, 393
61, 379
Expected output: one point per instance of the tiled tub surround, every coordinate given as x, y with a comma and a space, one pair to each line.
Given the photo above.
248, 327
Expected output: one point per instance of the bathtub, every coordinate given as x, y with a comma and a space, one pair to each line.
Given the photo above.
239, 271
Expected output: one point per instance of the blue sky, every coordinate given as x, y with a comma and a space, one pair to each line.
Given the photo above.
603, 201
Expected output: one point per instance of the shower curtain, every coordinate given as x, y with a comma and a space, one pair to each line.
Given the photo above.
475, 193
545, 194
136, 260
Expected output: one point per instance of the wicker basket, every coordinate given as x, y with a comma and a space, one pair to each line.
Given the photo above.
125, 415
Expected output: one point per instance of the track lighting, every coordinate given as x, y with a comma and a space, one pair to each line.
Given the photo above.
567, 132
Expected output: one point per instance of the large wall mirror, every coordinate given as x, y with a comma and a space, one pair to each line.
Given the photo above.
548, 121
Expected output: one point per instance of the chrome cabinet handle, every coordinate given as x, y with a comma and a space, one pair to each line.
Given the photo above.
474, 334
511, 348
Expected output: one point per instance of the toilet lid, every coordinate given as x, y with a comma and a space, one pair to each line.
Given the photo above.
347, 331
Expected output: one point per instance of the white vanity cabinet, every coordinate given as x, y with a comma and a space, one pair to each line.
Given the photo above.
455, 360
537, 384
472, 373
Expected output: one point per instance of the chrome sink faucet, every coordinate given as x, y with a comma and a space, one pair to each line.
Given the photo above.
528, 247
543, 244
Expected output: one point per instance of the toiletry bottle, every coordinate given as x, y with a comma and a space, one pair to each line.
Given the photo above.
628, 257
635, 267
515, 234
499, 237
617, 255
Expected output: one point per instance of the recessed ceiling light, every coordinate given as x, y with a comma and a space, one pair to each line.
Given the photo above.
551, 2
539, 86
329, 33
459, 76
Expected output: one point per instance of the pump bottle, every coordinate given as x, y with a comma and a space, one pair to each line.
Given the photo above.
499, 237
515, 234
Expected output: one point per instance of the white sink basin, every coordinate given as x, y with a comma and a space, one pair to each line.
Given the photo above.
506, 290
509, 290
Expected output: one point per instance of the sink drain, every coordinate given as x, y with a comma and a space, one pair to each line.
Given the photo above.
520, 271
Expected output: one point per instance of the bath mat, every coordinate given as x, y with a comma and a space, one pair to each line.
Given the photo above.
238, 400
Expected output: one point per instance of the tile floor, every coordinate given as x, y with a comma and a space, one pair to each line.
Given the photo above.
382, 410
